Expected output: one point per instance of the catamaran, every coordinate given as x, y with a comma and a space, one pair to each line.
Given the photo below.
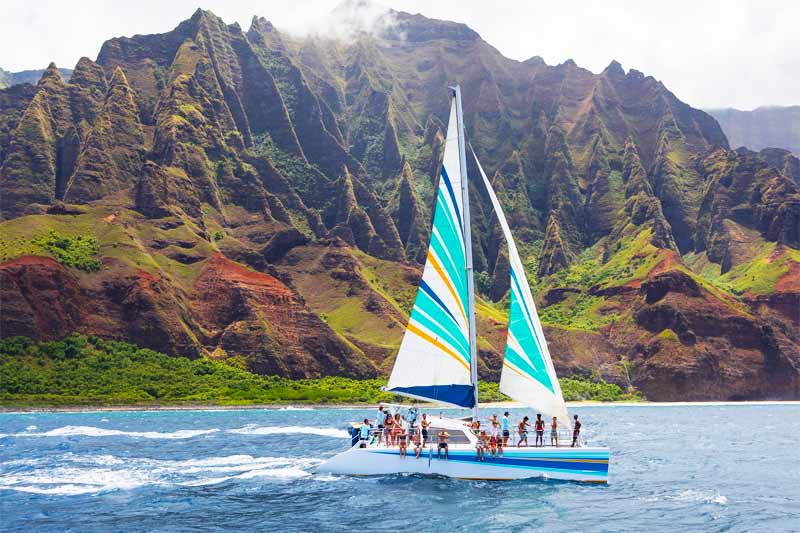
437, 360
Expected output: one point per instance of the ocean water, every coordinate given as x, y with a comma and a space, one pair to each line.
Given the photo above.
673, 468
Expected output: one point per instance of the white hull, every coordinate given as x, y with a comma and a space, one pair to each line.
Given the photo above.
588, 464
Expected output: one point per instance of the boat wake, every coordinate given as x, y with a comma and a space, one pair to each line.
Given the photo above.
253, 429
90, 431
71, 474
250, 429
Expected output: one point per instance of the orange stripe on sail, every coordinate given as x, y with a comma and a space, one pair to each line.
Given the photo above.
412, 328
444, 277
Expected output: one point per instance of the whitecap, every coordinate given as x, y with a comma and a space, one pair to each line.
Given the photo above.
74, 474
252, 429
31, 427
91, 431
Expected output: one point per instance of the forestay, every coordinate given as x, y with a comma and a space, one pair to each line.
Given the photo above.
528, 375
434, 358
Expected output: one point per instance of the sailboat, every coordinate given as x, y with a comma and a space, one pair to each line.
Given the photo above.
437, 360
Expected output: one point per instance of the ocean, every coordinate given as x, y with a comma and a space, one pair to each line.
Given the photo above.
673, 468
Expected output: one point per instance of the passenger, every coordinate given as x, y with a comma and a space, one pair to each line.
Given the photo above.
443, 436
475, 426
424, 424
412, 416
493, 438
398, 427
402, 435
364, 433
417, 440
539, 430
500, 446
554, 432
504, 424
522, 429
480, 446
576, 432
388, 428
379, 420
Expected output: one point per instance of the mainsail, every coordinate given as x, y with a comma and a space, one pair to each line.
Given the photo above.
434, 361
528, 375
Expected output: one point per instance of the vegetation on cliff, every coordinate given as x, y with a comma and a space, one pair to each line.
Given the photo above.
86, 370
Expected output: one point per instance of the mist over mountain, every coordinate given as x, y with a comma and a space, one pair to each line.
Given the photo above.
265, 198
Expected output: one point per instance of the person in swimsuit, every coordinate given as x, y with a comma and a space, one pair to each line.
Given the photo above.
443, 436
539, 427
500, 444
402, 435
398, 426
424, 424
522, 429
417, 441
480, 446
576, 432
494, 436
504, 424
554, 432
388, 428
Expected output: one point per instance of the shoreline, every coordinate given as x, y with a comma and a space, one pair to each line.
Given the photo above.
304, 407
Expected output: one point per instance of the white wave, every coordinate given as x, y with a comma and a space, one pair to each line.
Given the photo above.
31, 428
91, 431
252, 429
293, 408
73, 474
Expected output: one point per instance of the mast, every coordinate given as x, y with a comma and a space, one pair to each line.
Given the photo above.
462, 154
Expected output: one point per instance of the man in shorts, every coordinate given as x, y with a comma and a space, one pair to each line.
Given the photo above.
504, 425
539, 427
576, 432
424, 424
443, 436
522, 429
379, 418
364, 433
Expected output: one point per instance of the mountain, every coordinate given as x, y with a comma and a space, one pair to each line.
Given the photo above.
7, 79
763, 127
265, 199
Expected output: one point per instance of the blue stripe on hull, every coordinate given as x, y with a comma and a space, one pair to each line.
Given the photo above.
577, 465
463, 395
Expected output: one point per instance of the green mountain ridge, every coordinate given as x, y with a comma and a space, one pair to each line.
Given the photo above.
261, 196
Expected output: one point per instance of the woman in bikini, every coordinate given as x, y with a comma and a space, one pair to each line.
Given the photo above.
480, 446
388, 428
402, 434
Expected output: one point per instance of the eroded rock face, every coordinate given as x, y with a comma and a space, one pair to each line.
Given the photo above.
220, 148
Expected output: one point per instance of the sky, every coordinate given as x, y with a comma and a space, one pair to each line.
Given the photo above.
710, 53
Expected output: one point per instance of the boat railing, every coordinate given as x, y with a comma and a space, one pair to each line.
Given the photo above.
380, 435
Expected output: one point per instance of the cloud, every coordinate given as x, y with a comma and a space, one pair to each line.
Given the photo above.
713, 53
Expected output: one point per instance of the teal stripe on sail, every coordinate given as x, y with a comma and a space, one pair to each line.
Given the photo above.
439, 324
523, 331
453, 246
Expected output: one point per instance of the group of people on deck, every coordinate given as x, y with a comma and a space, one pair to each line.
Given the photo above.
394, 429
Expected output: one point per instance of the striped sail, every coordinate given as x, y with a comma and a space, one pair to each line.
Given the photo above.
528, 375
434, 358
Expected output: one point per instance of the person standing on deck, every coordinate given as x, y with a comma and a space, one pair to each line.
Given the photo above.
504, 425
381, 416
425, 424
364, 433
522, 429
539, 427
576, 432
554, 432
388, 428
412, 416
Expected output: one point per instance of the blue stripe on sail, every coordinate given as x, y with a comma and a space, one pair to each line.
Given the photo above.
452, 197
427, 288
463, 395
